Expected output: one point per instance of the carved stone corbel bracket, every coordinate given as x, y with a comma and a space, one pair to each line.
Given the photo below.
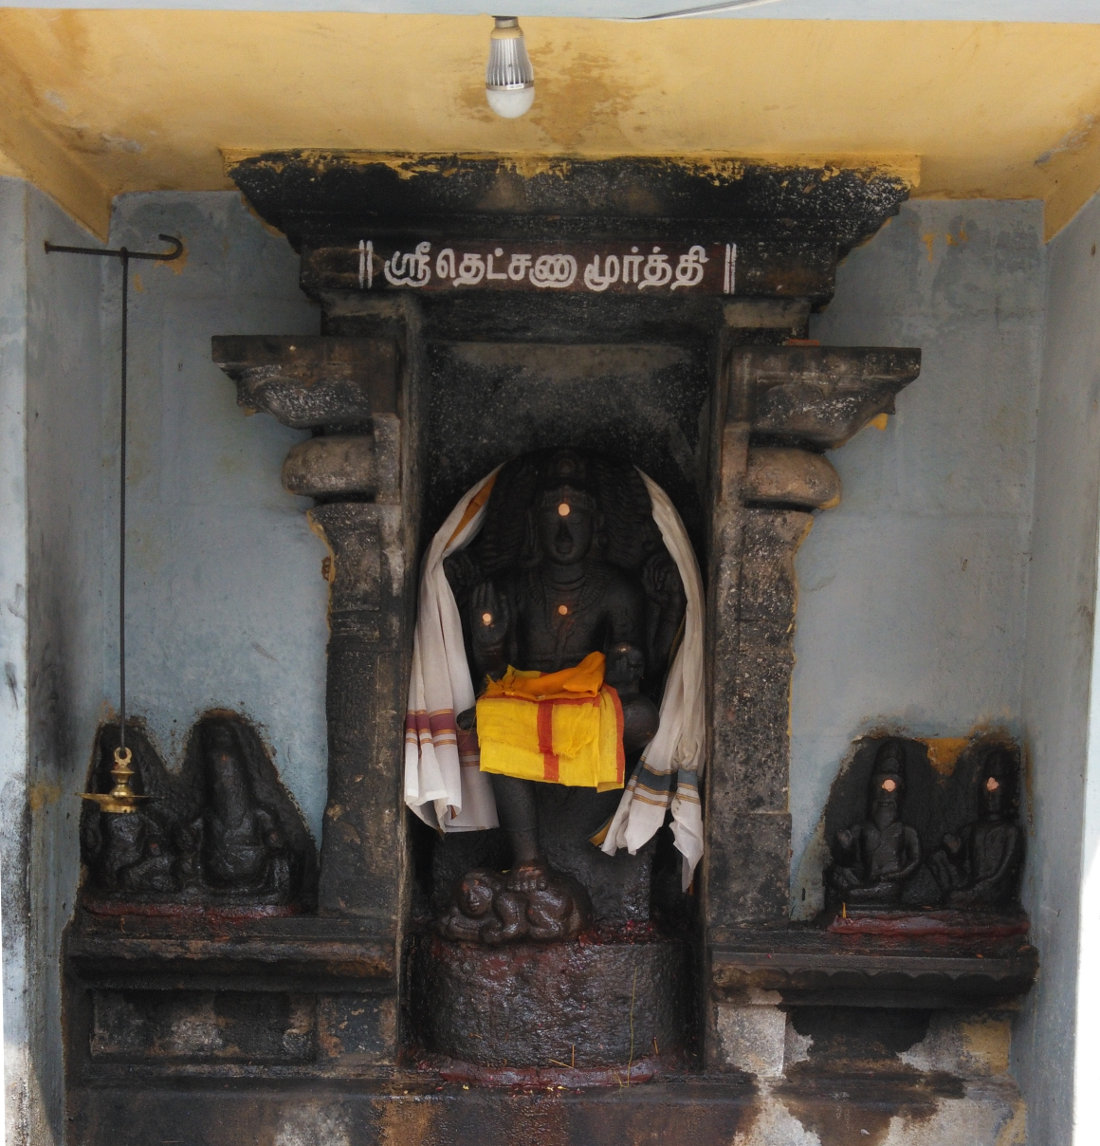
315, 382
785, 475
819, 396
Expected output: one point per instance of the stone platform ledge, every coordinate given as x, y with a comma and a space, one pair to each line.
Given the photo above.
409, 1109
812, 967
134, 949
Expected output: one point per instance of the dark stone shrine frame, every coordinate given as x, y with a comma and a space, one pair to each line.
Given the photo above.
413, 394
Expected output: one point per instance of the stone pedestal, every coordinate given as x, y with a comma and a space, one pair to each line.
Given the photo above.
588, 1003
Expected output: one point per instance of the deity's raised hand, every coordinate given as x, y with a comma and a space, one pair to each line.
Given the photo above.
490, 617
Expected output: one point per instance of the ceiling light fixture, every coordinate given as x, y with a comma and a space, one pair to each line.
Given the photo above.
509, 77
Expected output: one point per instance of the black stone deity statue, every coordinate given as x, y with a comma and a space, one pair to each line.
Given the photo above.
979, 866
133, 855
570, 584
243, 846
874, 859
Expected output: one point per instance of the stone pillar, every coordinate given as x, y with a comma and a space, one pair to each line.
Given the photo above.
747, 809
353, 393
362, 850
776, 409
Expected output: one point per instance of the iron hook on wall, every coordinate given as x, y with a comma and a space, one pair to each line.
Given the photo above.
121, 798
122, 252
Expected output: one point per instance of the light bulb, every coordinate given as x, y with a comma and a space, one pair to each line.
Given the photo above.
509, 77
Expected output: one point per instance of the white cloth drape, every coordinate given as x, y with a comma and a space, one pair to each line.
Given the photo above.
672, 763
447, 792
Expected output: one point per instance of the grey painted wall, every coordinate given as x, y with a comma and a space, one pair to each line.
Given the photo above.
228, 608
912, 592
14, 731
1057, 671
51, 573
70, 460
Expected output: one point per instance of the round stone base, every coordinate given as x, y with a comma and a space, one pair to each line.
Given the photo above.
575, 1004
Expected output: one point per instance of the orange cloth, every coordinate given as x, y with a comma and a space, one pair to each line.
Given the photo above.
474, 507
563, 727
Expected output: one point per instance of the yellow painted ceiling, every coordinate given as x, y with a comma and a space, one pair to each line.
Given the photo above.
102, 102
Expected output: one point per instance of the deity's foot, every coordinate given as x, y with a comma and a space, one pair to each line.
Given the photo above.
883, 896
532, 876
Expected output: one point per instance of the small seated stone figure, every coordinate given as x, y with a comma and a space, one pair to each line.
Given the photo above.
874, 858
131, 854
489, 908
979, 867
135, 856
243, 847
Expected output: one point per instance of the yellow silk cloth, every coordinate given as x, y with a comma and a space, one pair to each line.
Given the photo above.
562, 727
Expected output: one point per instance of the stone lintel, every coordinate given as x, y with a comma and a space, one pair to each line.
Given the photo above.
339, 193
428, 261
820, 395
312, 381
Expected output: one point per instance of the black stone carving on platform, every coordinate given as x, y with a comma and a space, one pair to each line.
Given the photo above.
221, 831
959, 814
133, 854
492, 908
979, 865
569, 562
245, 845
875, 857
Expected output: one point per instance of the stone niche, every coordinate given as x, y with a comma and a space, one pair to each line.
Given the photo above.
473, 311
